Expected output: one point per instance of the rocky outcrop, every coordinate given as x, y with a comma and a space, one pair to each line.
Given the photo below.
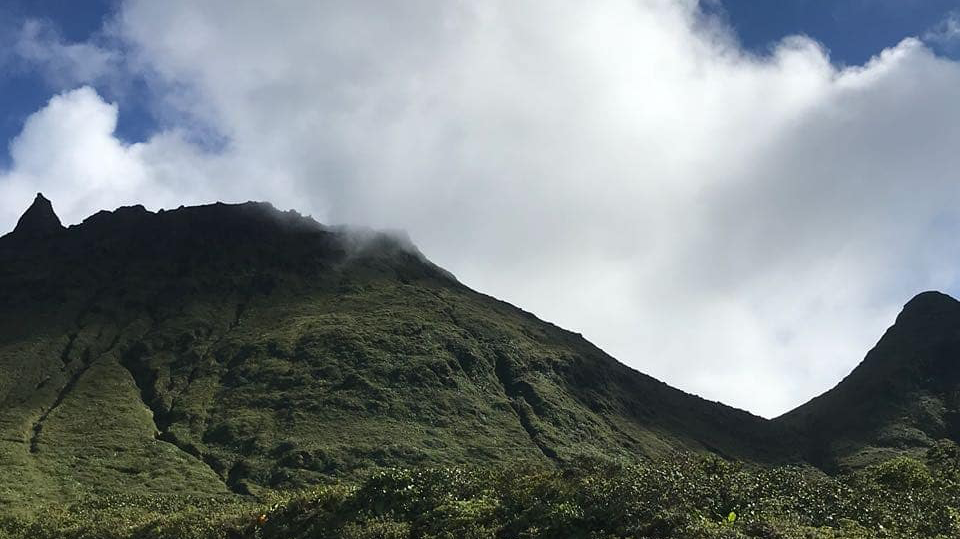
38, 221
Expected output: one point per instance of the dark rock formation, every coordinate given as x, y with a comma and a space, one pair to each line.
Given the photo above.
38, 221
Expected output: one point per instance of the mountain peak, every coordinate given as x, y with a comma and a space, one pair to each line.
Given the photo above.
39, 220
902, 396
929, 303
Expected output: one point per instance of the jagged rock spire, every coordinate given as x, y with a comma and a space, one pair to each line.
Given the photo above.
39, 220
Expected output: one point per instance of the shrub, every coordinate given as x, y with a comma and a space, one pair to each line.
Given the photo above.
686, 497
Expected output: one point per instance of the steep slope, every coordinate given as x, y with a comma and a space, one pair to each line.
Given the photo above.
38, 221
230, 348
903, 396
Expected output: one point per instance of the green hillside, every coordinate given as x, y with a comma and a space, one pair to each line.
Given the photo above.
231, 349
901, 399
211, 368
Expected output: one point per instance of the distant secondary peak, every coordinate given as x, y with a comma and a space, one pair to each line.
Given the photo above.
39, 219
929, 299
927, 304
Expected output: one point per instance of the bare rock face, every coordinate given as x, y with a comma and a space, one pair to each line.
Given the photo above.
38, 221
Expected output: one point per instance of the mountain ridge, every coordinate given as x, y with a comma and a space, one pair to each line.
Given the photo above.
233, 349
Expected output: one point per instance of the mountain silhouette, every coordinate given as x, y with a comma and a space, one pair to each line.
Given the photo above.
902, 398
38, 221
238, 348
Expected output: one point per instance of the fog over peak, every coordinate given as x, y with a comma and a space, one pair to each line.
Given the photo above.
741, 226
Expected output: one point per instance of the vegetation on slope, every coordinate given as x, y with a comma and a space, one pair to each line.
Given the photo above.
899, 400
683, 497
181, 374
237, 349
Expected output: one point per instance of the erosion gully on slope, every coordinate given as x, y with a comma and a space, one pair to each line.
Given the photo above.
145, 380
512, 389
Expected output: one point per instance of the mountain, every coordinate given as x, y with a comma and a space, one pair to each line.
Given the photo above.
902, 398
227, 349
234, 349
38, 221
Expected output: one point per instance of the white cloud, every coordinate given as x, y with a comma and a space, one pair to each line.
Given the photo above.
946, 32
742, 227
64, 64
68, 151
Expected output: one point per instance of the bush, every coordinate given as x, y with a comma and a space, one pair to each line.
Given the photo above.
685, 497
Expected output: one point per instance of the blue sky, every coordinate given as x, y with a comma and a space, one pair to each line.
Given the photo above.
25, 90
853, 30
735, 213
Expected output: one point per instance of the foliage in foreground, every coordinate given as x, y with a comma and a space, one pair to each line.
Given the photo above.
687, 497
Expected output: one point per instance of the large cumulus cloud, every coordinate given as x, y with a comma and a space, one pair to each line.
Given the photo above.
743, 227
